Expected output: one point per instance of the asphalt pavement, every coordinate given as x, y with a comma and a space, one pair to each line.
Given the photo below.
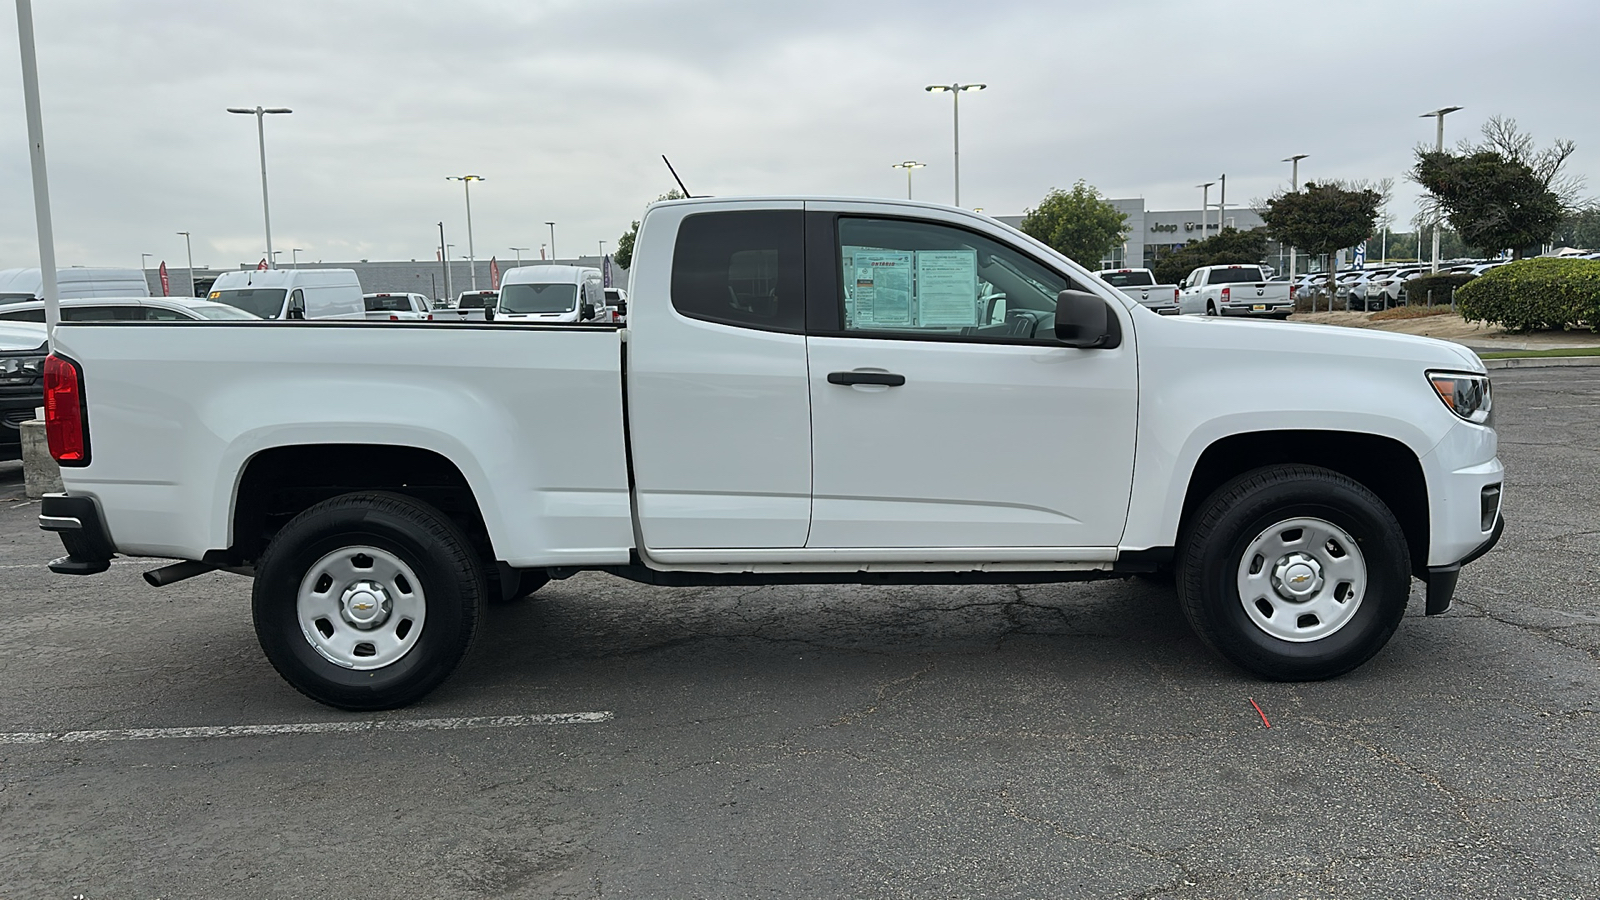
1028, 742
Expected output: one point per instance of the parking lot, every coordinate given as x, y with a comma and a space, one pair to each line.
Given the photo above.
1036, 741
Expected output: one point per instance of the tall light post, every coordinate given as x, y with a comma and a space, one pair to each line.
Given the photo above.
261, 142
1222, 202
142, 264
1205, 206
552, 240
908, 165
444, 262
518, 252
189, 249
1294, 188
472, 256
955, 90
294, 256
1438, 147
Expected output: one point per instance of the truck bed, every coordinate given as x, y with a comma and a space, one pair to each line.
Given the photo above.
531, 415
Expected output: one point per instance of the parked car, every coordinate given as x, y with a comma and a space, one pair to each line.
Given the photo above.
1234, 290
759, 423
292, 293
125, 309
73, 281
22, 353
616, 298
1140, 284
551, 294
473, 306
397, 308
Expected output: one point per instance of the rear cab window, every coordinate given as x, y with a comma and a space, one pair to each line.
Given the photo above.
742, 267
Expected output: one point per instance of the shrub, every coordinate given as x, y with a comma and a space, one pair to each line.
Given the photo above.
1441, 285
1535, 293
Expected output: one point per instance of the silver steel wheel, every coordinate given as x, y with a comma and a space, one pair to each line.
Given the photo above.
361, 607
1302, 579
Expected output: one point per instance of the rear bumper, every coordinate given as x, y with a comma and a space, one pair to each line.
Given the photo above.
83, 532
1277, 308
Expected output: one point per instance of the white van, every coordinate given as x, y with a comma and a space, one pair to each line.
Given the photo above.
551, 294
76, 281
292, 293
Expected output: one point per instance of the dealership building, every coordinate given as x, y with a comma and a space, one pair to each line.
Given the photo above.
1152, 234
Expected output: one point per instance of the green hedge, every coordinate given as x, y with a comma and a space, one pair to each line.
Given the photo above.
1534, 294
1441, 285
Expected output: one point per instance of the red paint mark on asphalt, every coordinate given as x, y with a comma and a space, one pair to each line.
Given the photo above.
1259, 712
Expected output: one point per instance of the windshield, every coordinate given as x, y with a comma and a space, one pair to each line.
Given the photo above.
264, 302
1127, 279
388, 303
476, 301
1234, 275
538, 298
221, 312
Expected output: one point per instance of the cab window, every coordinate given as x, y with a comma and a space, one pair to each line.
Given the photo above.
926, 280
743, 268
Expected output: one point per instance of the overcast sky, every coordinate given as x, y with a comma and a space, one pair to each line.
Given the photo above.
565, 107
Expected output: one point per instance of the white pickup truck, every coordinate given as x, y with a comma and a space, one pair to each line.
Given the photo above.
809, 391
1237, 290
1140, 284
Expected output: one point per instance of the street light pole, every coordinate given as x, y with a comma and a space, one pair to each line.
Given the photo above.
552, 240
954, 90
472, 256
1222, 202
142, 264
189, 249
294, 256
444, 262
602, 251
518, 252
1438, 147
261, 142
908, 165
1205, 206
1294, 188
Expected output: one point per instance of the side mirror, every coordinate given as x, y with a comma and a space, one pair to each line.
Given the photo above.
297, 309
1084, 321
586, 311
488, 313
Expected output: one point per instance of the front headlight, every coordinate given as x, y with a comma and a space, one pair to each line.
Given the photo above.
1466, 395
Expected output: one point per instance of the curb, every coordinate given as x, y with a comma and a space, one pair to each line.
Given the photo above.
1540, 362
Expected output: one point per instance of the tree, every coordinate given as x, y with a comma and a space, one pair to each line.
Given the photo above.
1502, 192
1080, 223
623, 255
1323, 218
1581, 229
1227, 247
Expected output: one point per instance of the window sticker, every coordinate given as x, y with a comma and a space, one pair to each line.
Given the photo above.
881, 288
947, 288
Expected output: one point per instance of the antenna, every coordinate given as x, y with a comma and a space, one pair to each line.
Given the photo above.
675, 176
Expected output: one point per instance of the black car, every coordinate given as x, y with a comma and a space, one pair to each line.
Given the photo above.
22, 352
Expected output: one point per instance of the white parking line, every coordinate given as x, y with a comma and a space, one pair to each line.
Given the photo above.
229, 731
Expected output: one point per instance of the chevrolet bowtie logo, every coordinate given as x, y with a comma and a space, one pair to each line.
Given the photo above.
1298, 579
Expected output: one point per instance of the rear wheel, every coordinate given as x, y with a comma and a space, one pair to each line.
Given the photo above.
1294, 573
367, 601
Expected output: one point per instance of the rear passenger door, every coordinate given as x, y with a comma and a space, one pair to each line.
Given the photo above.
718, 404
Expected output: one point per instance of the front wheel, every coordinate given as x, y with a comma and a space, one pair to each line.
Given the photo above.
367, 601
1294, 573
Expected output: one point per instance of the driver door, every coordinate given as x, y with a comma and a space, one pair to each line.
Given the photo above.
944, 413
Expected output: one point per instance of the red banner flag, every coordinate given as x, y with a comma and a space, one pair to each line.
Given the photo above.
494, 274
261, 265
166, 286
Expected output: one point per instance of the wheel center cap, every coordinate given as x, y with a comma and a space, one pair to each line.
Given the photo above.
1297, 577
365, 604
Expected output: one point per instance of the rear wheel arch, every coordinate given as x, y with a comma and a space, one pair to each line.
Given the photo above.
279, 483
1383, 465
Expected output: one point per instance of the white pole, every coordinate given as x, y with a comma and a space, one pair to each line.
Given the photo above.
266, 210
472, 254
956, 92
41, 181
189, 249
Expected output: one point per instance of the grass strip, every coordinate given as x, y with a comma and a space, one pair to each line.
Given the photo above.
1526, 354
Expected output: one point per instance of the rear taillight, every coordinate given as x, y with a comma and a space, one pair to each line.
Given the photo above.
1227, 294
1174, 295
1292, 289
394, 318
430, 317
66, 424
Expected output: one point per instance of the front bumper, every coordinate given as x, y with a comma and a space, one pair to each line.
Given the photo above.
1441, 580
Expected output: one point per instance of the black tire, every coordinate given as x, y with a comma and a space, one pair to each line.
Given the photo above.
1210, 555
1211, 308
438, 553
